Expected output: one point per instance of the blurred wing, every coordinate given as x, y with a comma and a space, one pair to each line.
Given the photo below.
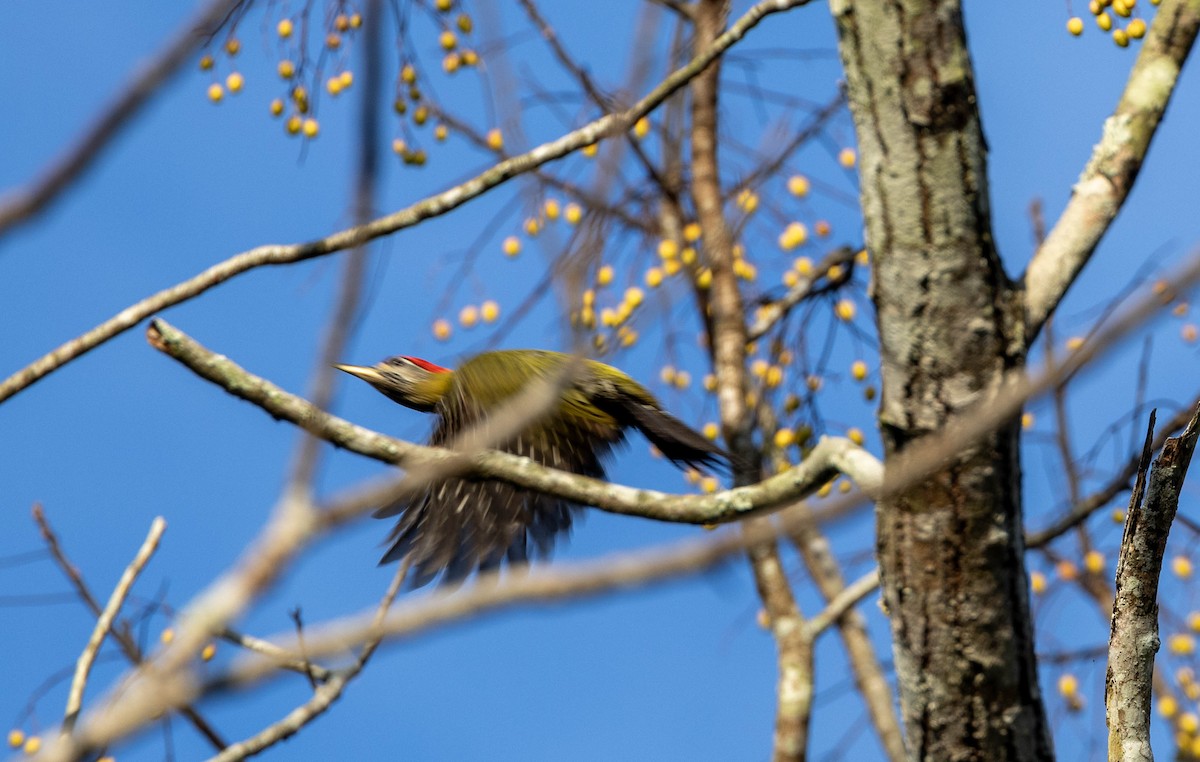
459, 526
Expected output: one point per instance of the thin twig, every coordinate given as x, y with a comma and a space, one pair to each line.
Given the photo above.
83, 666
121, 634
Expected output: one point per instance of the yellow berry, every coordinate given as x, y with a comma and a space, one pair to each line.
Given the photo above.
1181, 644
709, 484
590, 150
333, 41
495, 140
798, 186
286, 69
710, 430
464, 23
235, 82
847, 158
634, 296
167, 636
489, 311
346, 78
627, 335
232, 46
794, 235
573, 213
1075, 25
1075, 342
654, 277
1121, 38
206, 62
447, 40
704, 278
1193, 621
1037, 582
803, 265
216, 92
441, 329
552, 209
1093, 561
641, 128
1104, 21
421, 115
293, 124
688, 256
683, 379
1188, 333
276, 107
408, 74
1136, 29
668, 249
784, 438
468, 316
1068, 685
333, 85
1027, 421
1168, 706
1182, 566
440, 132
310, 128
532, 226
604, 275
208, 652
823, 229
450, 62
747, 200
1066, 570
284, 28
16, 738
1118, 516
855, 435
355, 20
341, 22
691, 232
845, 310
33, 745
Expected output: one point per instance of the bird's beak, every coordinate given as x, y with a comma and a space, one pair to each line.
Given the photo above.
370, 375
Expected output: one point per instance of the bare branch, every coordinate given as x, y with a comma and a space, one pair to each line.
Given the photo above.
433, 206
1134, 640
120, 634
21, 205
841, 605
323, 696
1110, 172
104, 622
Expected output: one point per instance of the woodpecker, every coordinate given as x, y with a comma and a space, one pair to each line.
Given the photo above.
462, 525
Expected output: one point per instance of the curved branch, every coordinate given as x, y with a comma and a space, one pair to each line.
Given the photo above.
1115, 162
433, 206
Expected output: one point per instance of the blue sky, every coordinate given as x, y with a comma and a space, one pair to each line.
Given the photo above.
680, 671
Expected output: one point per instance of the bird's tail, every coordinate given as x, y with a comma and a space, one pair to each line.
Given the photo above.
680, 443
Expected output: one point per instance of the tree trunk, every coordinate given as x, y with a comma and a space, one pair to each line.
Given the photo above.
950, 327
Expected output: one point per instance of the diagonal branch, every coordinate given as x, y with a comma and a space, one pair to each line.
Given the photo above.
104, 622
1116, 160
432, 206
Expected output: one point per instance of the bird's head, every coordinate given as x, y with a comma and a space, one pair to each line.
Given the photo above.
411, 381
